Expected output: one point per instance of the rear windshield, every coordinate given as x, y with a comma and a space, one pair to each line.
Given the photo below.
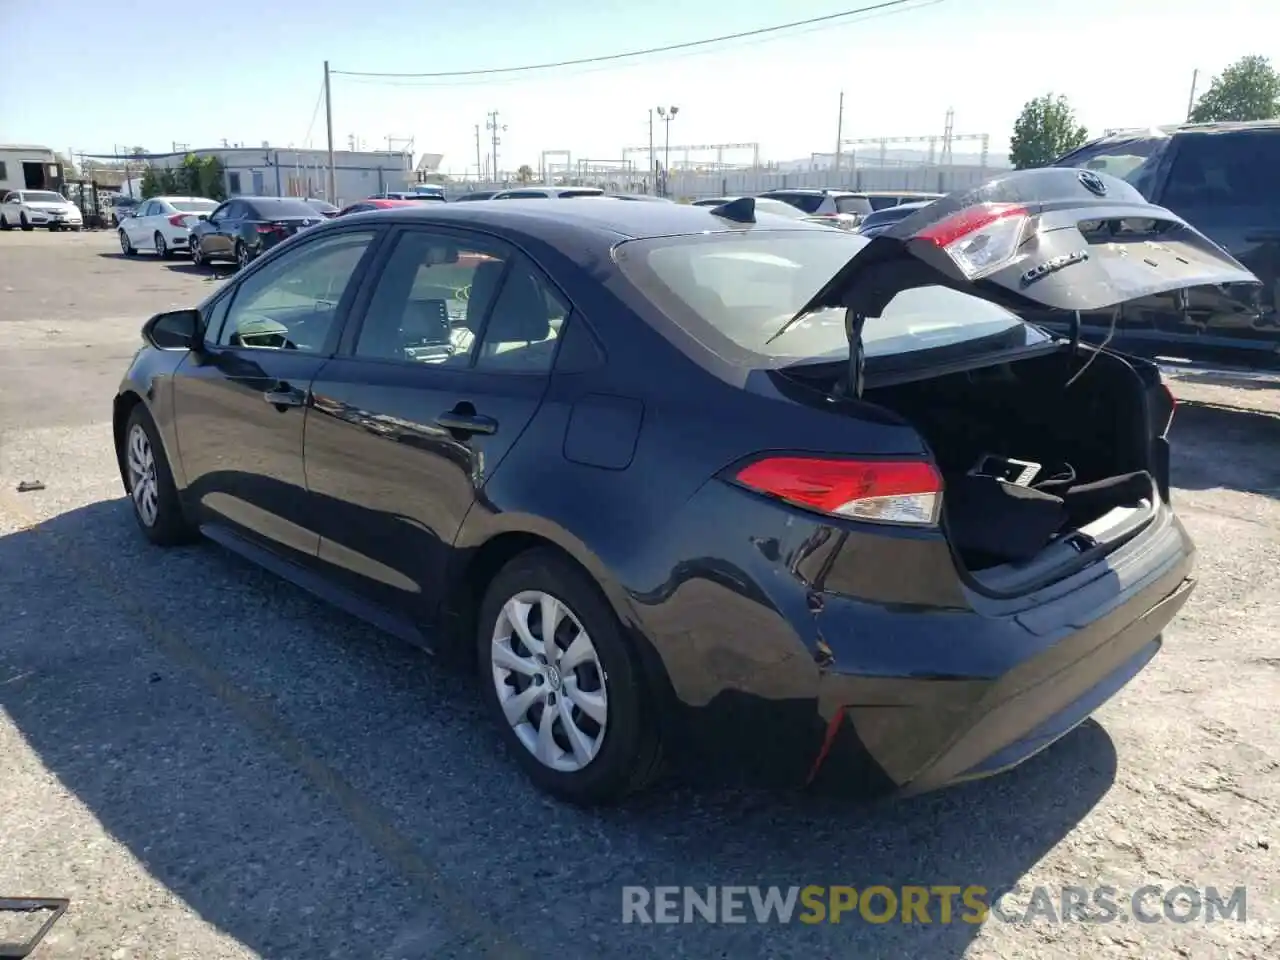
192, 206
859, 206
274, 207
736, 290
1132, 159
569, 194
808, 202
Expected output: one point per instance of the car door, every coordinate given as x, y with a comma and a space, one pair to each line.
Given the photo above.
432, 385
241, 402
205, 233
135, 226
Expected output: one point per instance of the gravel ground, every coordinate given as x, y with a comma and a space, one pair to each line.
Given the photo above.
210, 764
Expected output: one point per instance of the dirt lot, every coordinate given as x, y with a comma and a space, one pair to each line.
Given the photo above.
211, 764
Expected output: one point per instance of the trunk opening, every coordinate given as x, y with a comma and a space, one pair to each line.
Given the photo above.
1096, 486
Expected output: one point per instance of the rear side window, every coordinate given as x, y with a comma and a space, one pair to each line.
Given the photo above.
1225, 169
569, 194
859, 206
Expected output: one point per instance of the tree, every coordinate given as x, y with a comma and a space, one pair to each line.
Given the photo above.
525, 173
1249, 89
197, 177
1045, 130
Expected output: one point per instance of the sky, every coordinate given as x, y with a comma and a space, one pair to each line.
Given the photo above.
252, 70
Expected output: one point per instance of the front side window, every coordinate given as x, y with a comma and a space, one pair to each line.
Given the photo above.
1225, 169
733, 292
292, 302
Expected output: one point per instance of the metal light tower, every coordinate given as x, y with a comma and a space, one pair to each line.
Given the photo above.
492, 125
667, 114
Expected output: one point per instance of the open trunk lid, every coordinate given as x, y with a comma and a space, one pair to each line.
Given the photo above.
1065, 239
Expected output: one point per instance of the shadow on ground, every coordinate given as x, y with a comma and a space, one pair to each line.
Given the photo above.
1218, 446
124, 676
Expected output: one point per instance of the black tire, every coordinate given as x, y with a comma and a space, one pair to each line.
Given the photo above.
243, 257
77, 229
25, 226
630, 756
4, 223
126, 245
197, 253
162, 248
169, 527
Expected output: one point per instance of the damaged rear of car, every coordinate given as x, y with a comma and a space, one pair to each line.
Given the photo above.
983, 536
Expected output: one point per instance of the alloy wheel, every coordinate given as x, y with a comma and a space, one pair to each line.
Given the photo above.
242, 255
144, 486
124, 243
161, 249
197, 256
549, 680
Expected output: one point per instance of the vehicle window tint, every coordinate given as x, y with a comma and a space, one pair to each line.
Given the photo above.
882, 203
524, 326
431, 300
808, 202
1225, 169
290, 303
855, 205
525, 195
569, 194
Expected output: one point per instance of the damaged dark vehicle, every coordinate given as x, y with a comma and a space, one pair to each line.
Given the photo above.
717, 490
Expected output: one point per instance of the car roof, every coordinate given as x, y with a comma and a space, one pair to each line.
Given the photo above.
170, 198
582, 231
538, 188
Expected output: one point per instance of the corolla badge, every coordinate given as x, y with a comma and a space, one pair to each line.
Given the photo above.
1092, 182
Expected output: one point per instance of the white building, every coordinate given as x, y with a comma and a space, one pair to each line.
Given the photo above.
29, 167
288, 172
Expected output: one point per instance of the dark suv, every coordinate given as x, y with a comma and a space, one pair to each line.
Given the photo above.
1222, 178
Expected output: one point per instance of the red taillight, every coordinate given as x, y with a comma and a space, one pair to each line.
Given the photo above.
268, 228
981, 238
178, 220
898, 491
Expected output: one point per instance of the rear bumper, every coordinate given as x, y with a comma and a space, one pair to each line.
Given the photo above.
925, 734
833, 654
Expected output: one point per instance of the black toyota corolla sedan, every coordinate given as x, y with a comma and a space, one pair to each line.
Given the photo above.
699, 487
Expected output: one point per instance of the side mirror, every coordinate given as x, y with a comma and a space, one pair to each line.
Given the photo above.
174, 330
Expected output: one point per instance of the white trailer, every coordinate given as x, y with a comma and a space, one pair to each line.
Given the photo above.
28, 167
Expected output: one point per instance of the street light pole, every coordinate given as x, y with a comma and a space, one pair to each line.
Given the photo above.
667, 114
653, 166
328, 123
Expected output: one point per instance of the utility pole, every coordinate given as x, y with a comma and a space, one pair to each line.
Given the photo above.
653, 160
328, 123
493, 126
479, 163
839, 135
1191, 100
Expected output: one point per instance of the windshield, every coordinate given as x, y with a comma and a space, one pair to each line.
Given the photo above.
858, 206
42, 196
193, 206
1132, 159
742, 287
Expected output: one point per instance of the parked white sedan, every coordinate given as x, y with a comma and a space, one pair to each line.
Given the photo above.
163, 225
29, 209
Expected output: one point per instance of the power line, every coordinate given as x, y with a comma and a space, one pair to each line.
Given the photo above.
314, 113
687, 45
